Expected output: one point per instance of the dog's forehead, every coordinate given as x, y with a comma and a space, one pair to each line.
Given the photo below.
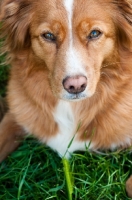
71, 9
69, 13
97, 9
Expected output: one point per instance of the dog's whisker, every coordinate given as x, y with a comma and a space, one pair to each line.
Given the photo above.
114, 63
105, 74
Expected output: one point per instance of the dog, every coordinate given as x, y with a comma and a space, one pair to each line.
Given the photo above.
71, 74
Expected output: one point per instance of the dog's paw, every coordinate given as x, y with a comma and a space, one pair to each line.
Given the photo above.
11, 135
129, 187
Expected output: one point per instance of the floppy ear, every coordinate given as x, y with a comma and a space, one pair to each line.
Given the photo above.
123, 19
15, 17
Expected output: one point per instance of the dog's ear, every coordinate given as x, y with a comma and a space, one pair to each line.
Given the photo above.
8, 8
15, 17
123, 19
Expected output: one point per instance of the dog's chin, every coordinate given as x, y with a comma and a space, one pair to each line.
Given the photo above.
75, 97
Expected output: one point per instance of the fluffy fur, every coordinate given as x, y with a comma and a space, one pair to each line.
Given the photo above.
53, 47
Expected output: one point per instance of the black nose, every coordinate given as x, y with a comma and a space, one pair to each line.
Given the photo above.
75, 84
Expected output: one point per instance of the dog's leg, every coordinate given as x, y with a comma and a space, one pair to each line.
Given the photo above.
129, 187
11, 134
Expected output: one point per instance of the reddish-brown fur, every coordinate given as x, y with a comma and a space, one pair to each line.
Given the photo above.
38, 69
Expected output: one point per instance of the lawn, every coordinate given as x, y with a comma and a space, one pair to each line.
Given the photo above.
34, 172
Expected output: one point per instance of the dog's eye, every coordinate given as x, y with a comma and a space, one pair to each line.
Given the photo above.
94, 34
49, 36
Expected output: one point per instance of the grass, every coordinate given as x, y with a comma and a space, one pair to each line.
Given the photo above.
35, 172
4, 71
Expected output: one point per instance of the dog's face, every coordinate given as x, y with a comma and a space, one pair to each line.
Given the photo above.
75, 40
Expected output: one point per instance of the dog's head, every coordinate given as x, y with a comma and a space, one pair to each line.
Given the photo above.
74, 39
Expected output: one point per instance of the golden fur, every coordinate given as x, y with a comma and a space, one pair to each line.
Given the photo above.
39, 66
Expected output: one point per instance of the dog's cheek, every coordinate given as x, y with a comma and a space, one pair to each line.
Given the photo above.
45, 52
55, 87
109, 47
56, 77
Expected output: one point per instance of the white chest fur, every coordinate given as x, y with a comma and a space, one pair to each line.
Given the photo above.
64, 117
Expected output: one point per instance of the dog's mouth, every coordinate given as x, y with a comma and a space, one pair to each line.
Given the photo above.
74, 97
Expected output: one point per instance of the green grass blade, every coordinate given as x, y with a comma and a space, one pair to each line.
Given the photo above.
68, 177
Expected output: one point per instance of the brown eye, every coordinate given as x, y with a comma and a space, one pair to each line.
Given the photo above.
49, 36
94, 34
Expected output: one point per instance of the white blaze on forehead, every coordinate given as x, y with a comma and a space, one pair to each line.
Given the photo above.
74, 65
68, 4
69, 8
